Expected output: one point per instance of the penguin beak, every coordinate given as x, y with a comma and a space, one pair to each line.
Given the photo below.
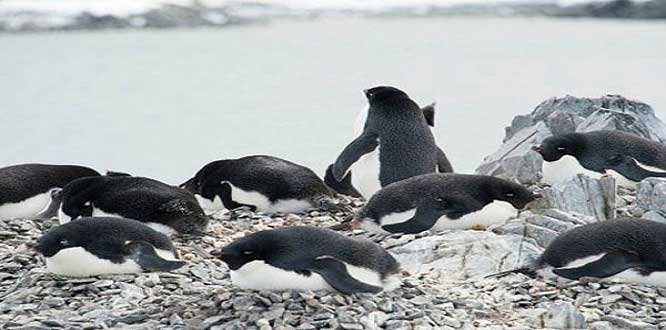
537, 195
538, 148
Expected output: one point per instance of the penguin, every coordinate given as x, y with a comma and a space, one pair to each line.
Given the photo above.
309, 258
26, 190
165, 208
346, 186
627, 249
262, 183
441, 201
627, 157
395, 144
89, 246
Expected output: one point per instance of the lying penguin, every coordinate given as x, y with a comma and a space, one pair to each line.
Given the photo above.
161, 206
88, 247
309, 258
443, 201
628, 249
346, 186
627, 157
396, 143
263, 183
26, 190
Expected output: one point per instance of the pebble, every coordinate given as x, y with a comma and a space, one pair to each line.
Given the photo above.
200, 295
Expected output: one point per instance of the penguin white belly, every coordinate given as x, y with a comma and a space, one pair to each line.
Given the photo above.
627, 276
99, 213
28, 208
63, 218
263, 203
210, 205
78, 262
258, 275
565, 169
365, 173
496, 212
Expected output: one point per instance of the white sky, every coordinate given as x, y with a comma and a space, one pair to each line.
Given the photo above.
132, 6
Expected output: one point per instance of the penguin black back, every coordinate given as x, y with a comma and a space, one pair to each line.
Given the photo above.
19, 182
478, 189
137, 198
86, 233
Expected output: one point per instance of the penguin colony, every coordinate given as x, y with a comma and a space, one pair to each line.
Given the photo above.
119, 223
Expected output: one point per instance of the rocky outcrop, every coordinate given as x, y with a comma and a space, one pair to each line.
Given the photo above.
163, 17
515, 160
626, 9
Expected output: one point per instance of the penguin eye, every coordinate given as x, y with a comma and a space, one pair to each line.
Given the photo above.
64, 242
248, 252
510, 194
86, 203
561, 148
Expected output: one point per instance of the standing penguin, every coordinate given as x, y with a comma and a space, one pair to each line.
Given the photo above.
443, 201
346, 186
309, 258
26, 190
628, 249
264, 183
161, 206
629, 158
89, 247
395, 144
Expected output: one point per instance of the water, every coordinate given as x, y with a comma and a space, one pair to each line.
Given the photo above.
164, 103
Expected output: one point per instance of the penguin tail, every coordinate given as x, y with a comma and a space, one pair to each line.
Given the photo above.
529, 271
344, 187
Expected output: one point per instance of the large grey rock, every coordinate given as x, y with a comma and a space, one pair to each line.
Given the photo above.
583, 195
514, 159
652, 194
464, 254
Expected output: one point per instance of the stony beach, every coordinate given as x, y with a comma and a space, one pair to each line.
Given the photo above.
444, 283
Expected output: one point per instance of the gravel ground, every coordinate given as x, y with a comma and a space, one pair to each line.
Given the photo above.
200, 295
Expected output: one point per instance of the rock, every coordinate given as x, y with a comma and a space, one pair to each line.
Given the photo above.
583, 195
563, 315
465, 254
514, 159
651, 195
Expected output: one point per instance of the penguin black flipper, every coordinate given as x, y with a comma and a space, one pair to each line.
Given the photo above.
344, 187
630, 169
51, 211
145, 256
336, 275
610, 264
424, 219
429, 114
362, 145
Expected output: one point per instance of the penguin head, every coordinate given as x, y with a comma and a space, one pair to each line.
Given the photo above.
254, 247
206, 180
384, 94
555, 147
54, 241
512, 193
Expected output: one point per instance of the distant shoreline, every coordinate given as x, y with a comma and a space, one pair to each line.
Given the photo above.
236, 14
